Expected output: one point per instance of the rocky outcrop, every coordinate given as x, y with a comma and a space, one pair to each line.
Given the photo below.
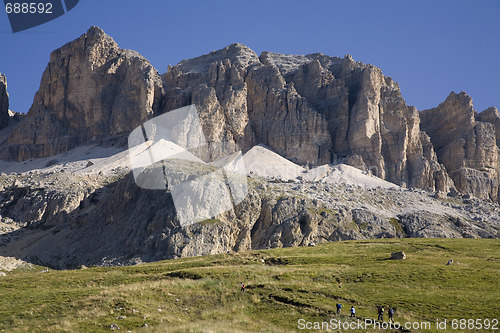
215, 84
467, 144
491, 116
368, 120
91, 90
4, 102
243, 102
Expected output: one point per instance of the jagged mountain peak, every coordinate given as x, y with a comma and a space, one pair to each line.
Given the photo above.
455, 106
466, 143
91, 89
288, 63
462, 97
240, 55
489, 113
95, 42
95, 47
95, 30
96, 35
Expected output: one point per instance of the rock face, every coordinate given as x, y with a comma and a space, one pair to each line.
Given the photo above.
312, 109
467, 144
491, 116
91, 90
4, 102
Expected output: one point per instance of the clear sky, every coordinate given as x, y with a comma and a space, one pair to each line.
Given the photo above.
430, 47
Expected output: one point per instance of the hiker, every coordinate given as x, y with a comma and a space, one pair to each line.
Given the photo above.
242, 287
353, 311
380, 313
339, 306
391, 314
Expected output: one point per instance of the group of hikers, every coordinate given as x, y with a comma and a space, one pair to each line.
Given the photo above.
380, 312
380, 309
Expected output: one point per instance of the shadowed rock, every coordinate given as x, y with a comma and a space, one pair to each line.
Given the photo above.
4, 102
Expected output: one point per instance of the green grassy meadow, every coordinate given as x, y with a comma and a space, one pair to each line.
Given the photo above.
202, 294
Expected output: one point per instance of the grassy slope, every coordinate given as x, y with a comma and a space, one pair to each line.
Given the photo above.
202, 293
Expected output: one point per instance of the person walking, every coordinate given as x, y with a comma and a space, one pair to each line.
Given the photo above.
242, 287
391, 314
353, 311
381, 313
339, 306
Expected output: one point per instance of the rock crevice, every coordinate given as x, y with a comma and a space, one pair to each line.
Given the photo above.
4, 102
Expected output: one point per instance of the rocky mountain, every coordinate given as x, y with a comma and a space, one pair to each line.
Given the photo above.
90, 91
65, 201
310, 109
466, 143
4, 102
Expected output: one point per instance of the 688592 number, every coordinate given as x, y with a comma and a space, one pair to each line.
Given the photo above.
28, 8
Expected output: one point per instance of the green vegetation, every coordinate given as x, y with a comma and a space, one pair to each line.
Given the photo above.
396, 224
202, 294
211, 221
321, 210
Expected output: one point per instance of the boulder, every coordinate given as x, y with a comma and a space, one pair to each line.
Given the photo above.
398, 255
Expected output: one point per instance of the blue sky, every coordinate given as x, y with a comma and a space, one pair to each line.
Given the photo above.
430, 47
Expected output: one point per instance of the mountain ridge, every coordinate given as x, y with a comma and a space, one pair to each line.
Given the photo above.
311, 109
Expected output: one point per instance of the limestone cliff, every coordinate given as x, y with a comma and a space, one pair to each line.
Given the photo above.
4, 102
368, 120
90, 90
466, 143
312, 109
